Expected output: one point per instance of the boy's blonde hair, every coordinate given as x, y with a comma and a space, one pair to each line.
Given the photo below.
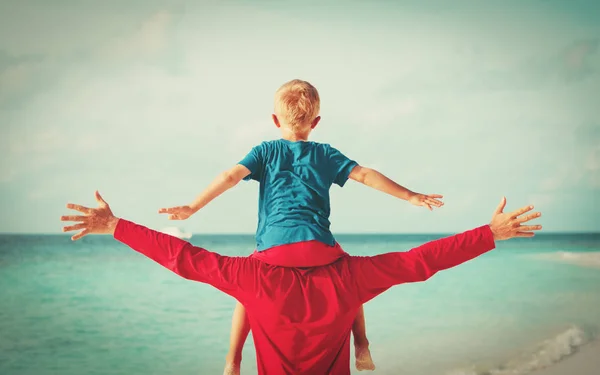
297, 104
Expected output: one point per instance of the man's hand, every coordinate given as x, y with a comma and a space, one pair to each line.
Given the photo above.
426, 200
178, 213
505, 226
95, 221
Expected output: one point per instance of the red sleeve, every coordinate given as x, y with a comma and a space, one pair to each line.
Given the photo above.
232, 275
374, 275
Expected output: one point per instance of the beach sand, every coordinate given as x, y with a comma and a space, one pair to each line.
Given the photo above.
585, 362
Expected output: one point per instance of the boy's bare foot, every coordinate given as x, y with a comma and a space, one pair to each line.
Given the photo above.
363, 358
231, 369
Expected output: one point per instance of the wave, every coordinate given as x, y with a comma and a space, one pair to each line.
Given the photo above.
587, 259
543, 355
176, 232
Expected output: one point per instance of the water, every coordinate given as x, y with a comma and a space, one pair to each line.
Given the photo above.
96, 307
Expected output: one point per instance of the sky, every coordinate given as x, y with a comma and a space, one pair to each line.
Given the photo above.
148, 102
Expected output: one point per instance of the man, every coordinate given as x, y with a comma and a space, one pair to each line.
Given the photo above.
301, 318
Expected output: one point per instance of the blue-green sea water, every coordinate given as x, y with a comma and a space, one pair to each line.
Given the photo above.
96, 307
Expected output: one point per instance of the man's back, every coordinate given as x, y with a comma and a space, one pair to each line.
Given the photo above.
303, 317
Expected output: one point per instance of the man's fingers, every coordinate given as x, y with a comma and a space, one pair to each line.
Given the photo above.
528, 228
521, 211
74, 218
80, 234
528, 217
171, 210
100, 199
79, 208
525, 234
428, 206
501, 206
74, 227
435, 196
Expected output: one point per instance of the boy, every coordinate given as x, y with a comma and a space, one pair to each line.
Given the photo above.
295, 176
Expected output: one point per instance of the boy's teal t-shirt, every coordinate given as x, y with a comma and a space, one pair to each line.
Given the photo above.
295, 178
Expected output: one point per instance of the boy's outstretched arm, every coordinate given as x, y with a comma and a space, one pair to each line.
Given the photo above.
221, 184
378, 181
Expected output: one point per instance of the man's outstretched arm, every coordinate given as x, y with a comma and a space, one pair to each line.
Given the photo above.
373, 275
194, 263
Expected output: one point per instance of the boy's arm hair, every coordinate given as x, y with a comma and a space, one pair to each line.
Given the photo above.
221, 184
378, 181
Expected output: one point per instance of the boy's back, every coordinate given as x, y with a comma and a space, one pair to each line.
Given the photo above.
295, 178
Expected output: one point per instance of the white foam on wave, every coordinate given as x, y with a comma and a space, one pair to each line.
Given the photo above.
543, 355
176, 232
587, 259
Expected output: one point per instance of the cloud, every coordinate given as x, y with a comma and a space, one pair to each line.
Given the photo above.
147, 41
593, 167
16, 72
527, 70
23, 77
578, 56
243, 138
383, 114
8, 60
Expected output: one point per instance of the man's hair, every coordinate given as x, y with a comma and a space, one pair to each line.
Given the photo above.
297, 104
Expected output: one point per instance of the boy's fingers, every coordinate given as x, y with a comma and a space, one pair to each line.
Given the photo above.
434, 202
435, 196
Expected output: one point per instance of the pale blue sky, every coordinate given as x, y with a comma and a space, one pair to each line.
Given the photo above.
147, 103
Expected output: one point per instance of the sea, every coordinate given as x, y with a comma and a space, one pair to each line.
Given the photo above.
96, 307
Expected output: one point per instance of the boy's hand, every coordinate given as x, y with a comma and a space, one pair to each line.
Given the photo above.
426, 200
178, 213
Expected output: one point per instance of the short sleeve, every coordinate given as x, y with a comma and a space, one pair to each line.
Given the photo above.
340, 165
254, 162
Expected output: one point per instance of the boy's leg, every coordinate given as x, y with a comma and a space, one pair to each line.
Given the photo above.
240, 327
361, 343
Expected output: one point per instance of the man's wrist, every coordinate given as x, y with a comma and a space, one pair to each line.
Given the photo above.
112, 225
494, 231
